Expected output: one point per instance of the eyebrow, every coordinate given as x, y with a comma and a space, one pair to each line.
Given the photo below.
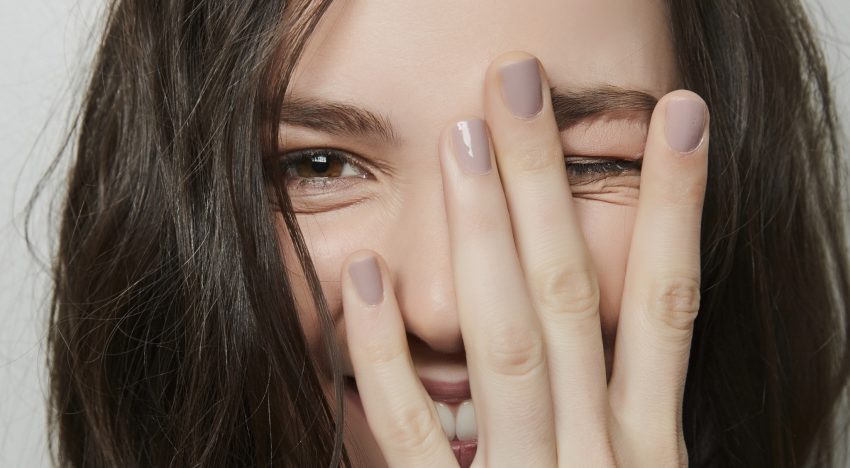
573, 106
570, 107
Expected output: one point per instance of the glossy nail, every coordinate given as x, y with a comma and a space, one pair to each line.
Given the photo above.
471, 146
685, 124
366, 276
521, 89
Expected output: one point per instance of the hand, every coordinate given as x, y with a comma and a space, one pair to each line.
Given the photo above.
528, 300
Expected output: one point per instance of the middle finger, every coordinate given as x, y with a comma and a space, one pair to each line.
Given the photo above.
558, 266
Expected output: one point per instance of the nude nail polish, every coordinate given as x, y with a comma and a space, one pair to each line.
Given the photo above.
685, 122
521, 88
366, 276
471, 146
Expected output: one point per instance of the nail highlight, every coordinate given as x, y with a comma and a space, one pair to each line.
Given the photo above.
471, 146
685, 124
521, 88
366, 276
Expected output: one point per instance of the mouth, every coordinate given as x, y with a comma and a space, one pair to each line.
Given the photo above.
453, 403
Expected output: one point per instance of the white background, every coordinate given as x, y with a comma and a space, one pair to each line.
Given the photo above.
45, 47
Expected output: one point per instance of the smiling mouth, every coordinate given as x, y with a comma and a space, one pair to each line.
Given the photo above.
456, 412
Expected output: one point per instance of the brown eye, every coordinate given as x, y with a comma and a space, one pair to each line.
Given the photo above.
319, 163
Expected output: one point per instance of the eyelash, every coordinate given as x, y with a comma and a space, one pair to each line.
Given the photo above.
589, 170
584, 170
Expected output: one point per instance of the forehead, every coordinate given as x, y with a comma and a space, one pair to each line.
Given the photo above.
422, 62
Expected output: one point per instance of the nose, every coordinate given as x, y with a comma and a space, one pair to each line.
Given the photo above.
424, 281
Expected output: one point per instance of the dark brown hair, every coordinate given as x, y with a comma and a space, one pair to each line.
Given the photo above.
174, 338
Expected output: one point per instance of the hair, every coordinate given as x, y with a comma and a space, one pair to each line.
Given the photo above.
174, 339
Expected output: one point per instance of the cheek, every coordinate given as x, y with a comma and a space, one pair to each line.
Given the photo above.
327, 252
327, 257
608, 230
299, 286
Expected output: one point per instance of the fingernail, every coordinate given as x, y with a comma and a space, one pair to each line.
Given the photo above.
366, 276
685, 124
471, 146
521, 88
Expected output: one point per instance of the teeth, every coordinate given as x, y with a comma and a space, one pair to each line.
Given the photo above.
447, 419
458, 421
465, 426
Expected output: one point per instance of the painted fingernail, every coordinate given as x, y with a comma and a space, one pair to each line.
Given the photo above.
521, 89
685, 124
471, 146
366, 276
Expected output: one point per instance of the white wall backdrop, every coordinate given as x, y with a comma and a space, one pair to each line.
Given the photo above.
44, 48
41, 53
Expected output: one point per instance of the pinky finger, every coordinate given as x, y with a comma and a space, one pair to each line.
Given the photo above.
400, 413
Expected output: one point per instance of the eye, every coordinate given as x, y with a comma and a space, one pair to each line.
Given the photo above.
320, 168
584, 170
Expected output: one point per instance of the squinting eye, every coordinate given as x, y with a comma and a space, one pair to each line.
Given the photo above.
323, 167
587, 170
319, 167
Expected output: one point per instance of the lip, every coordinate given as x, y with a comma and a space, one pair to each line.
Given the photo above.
447, 392
464, 451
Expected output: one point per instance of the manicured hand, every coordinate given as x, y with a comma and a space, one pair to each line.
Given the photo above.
528, 296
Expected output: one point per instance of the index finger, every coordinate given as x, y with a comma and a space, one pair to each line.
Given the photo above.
399, 412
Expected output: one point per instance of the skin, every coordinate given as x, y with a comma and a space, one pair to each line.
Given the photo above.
586, 265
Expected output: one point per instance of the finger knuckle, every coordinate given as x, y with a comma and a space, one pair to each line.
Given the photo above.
515, 350
674, 302
415, 429
566, 291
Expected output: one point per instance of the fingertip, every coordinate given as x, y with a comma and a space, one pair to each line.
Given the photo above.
516, 83
682, 93
508, 58
355, 257
364, 268
686, 121
675, 163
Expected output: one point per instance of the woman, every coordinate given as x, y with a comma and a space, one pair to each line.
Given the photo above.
315, 233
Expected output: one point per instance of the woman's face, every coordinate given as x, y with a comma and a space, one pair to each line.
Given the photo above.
381, 78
